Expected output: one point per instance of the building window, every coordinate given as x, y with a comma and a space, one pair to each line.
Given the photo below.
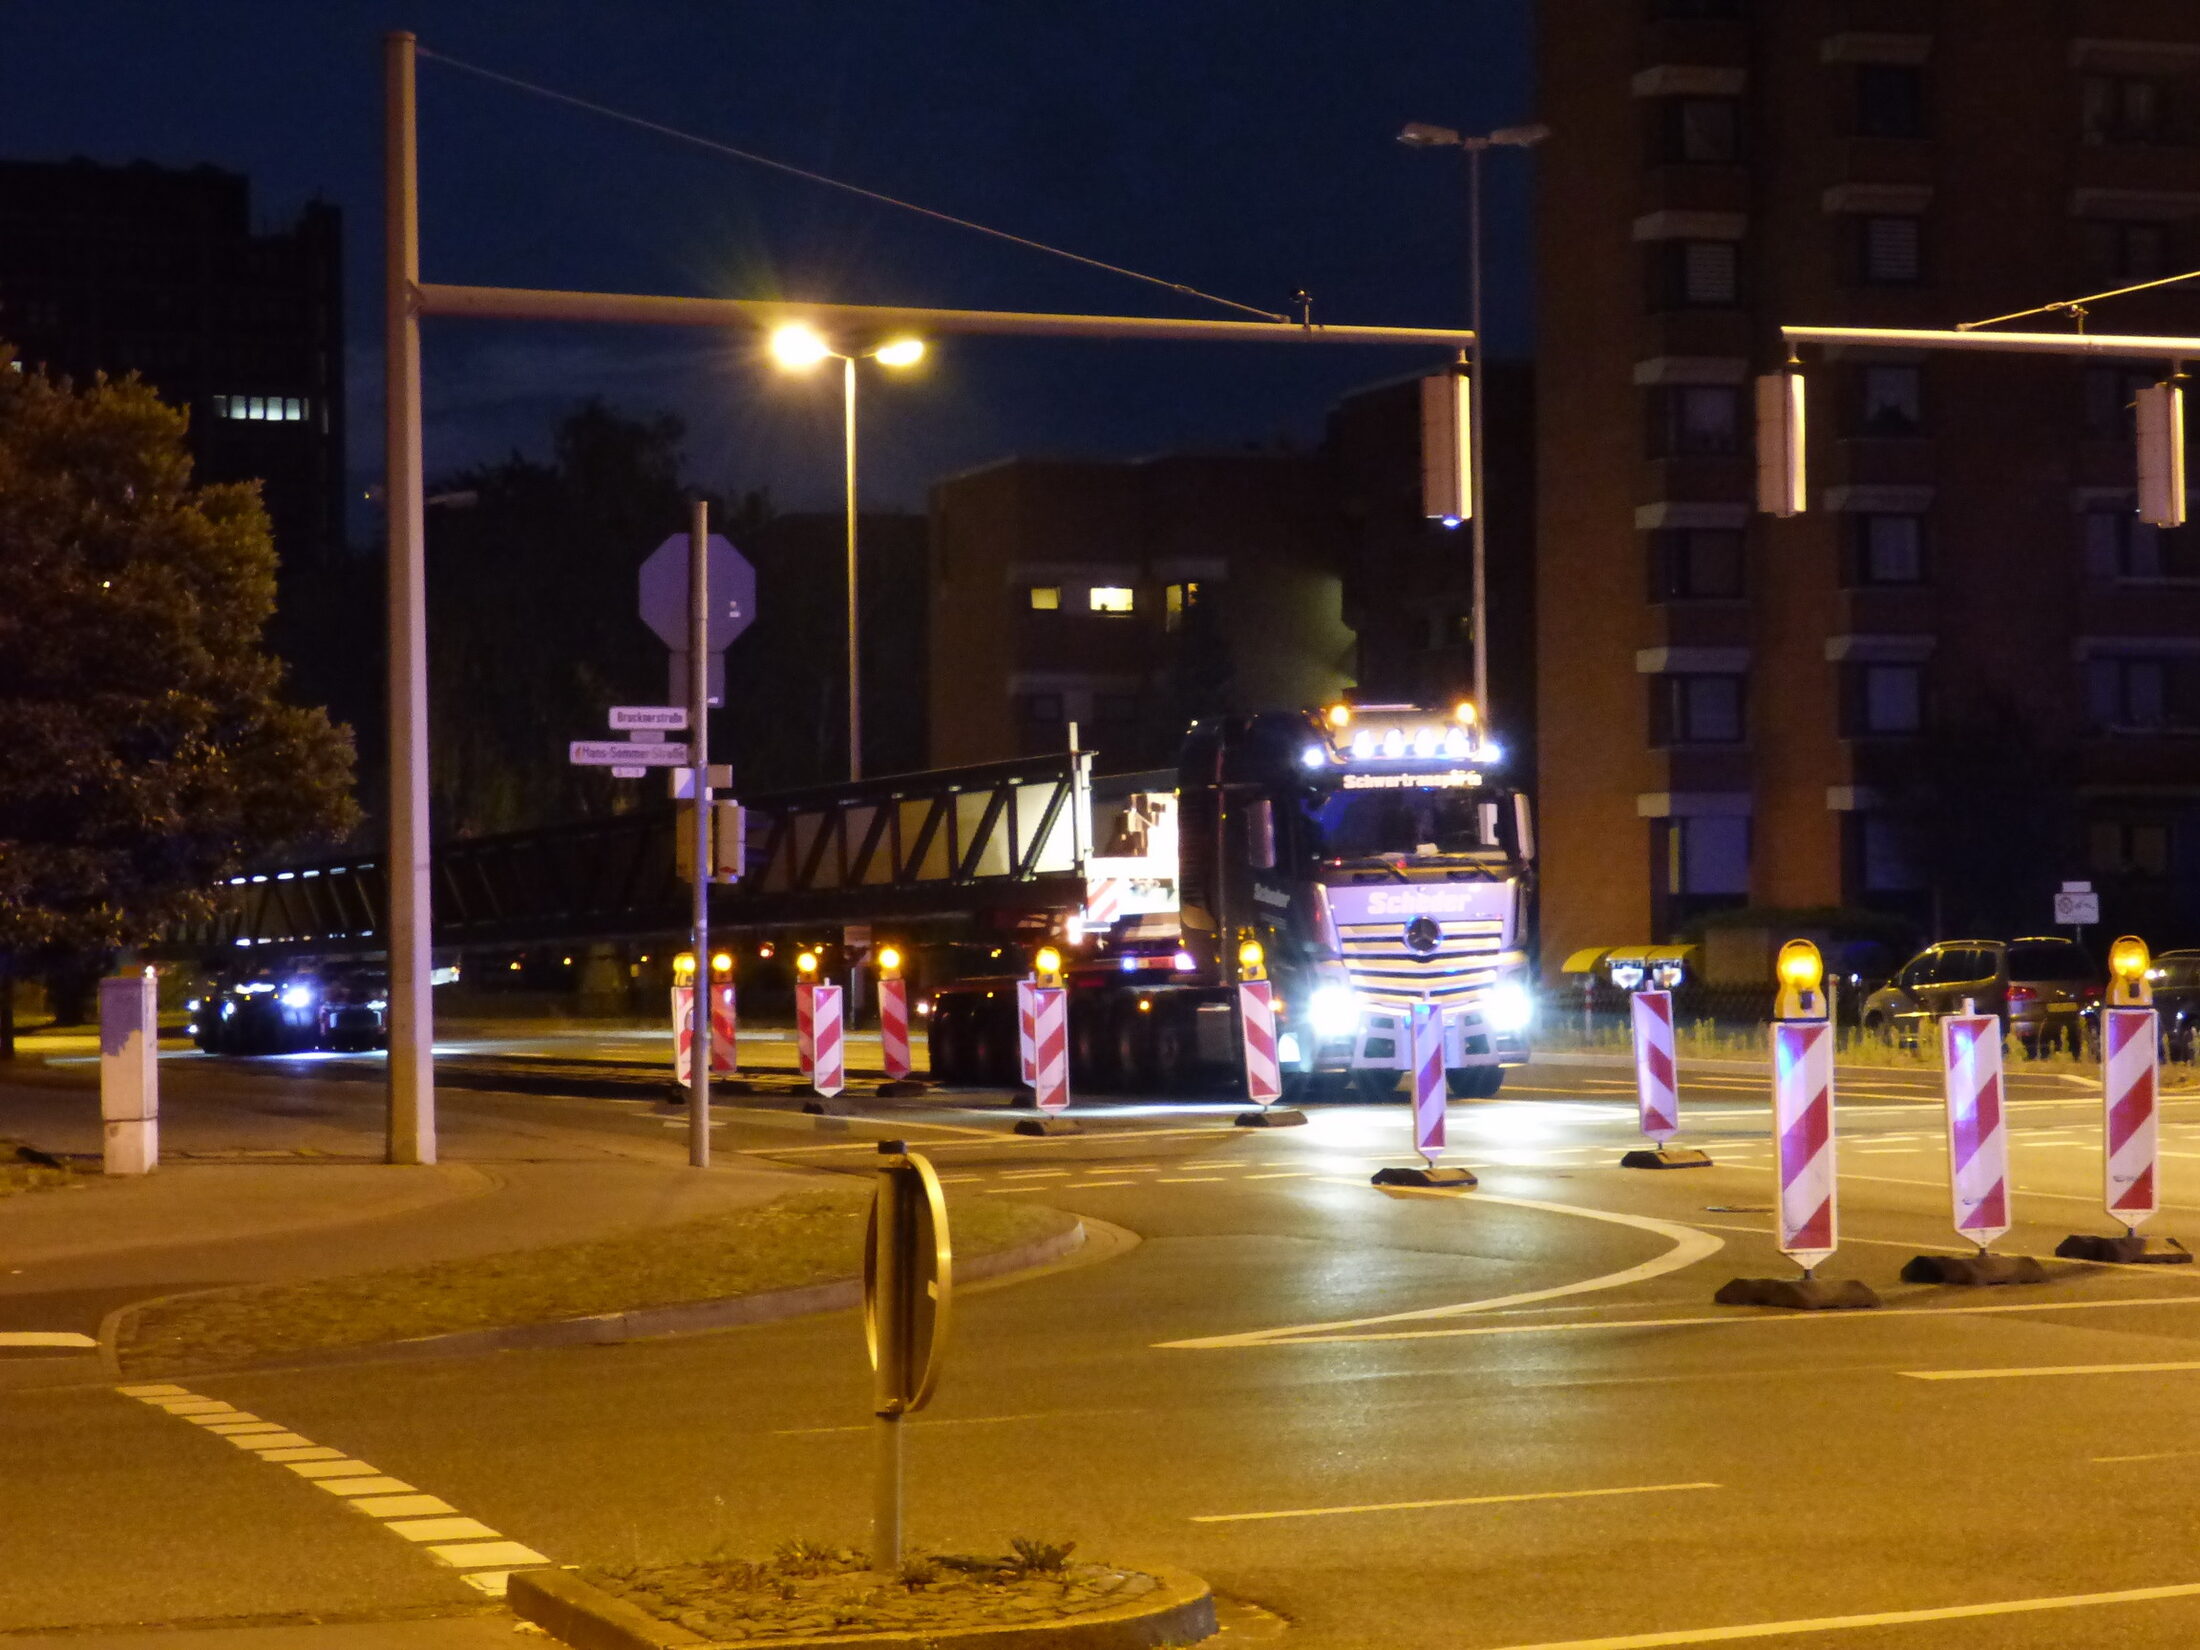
1708, 854
2127, 848
1889, 856
1888, 549
1043, 708
1178, 600
2118, 545
2140, 694
1701, 131
1045, 598
2127, 251
1890, 401
1695, 564
2120, 109
1112, 598
2111, 389
1114, 711
278, 409
1890, 100
1883, 699
1695, 420
1696, 710
1696, 274
1890, 250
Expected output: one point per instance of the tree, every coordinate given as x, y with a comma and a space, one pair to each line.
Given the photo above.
148, 751
532, 628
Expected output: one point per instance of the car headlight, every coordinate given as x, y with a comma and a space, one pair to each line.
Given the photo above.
297, 996
1333, 1011
1509, 1008
378, 1003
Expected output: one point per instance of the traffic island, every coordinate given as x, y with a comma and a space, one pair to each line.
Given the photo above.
1666, 1157
1979, 1271
1798, 1294
2124, 1251
1032, 1599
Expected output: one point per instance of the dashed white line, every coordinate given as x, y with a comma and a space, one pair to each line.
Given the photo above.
466, 1544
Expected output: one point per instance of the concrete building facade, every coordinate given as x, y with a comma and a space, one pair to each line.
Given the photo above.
1967, 672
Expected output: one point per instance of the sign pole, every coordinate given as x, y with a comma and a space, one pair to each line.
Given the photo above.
908, 1288
699, 750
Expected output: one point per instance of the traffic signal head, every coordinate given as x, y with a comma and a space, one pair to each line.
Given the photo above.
1782, 483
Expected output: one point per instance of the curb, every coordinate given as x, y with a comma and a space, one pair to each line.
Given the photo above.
603, 1329
1181, 1611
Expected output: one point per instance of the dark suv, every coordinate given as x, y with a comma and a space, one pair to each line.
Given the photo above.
2047, 990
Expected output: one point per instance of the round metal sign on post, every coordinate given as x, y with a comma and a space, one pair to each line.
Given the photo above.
908, 1281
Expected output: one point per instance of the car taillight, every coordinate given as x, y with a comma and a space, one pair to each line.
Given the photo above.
2021, 994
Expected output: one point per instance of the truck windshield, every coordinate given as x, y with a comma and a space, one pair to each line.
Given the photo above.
1359, 824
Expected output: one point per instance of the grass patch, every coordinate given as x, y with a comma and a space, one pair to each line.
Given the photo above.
26, 1169
805, 1237
805, 1589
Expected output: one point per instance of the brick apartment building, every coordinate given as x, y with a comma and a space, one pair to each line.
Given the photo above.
1129, 597
1968, 671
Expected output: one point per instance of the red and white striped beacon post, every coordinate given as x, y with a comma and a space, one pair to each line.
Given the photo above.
1027, 1036
893, 1025
1657, 1086
829, 1072
722, 1023
1257, 1039
2131, 1181
1806, 1223
1042, 1014
1430, 1092
1978, 1140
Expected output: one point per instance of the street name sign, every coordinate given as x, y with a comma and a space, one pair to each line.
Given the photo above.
607, 753
657, 718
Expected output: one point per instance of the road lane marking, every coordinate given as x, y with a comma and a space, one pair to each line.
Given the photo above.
1287, 1174
1689, 1246
2043, 1369
1880, 1618
1187, 1180
938, 1421
2158, 1455
485, 1558
1094, 1185
44, 1337
1458, 1501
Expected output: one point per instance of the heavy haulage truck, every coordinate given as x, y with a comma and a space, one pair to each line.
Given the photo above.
1373, 855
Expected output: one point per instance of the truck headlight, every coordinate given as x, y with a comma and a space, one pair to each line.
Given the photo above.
297, 996
1333, 1011
1509, 1008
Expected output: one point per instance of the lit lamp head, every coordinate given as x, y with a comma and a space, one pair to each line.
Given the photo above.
798, 346
1252, 960
889, 963
1802, 978
899, 352
805, 964
1046, 963
683, 967
2128, 962
721, 964
1340, 716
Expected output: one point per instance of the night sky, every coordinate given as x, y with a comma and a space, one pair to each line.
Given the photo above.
1242, 146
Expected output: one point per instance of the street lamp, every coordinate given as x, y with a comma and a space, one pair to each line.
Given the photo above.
1419, 135
798, 348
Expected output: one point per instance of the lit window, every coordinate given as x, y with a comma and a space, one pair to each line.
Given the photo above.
220, 404
1178, 598
1113, 598
292, 411
258, 408
1045, 598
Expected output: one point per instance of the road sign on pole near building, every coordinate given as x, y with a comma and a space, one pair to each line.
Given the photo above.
607, 753
656, 718
729, 583
2077, 906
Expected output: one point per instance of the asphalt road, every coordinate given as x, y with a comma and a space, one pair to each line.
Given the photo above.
1330, 1400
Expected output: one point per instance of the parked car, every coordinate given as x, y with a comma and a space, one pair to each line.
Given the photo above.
2176, 980
287, 1012
2046, 989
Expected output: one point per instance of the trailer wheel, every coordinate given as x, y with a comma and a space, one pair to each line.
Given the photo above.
1134, 1045
1175, 1054
1092, 1051
945, 1041
1474, 1082
1370, 1085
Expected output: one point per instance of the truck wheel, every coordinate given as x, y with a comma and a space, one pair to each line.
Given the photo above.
944, 1042
1134, 1045
1373, 1086
1474, 1082
1175, 1055
1091, 1048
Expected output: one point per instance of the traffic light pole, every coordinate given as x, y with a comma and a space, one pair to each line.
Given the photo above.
406, 300
706, 984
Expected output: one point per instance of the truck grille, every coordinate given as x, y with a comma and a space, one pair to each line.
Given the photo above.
1384, 970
